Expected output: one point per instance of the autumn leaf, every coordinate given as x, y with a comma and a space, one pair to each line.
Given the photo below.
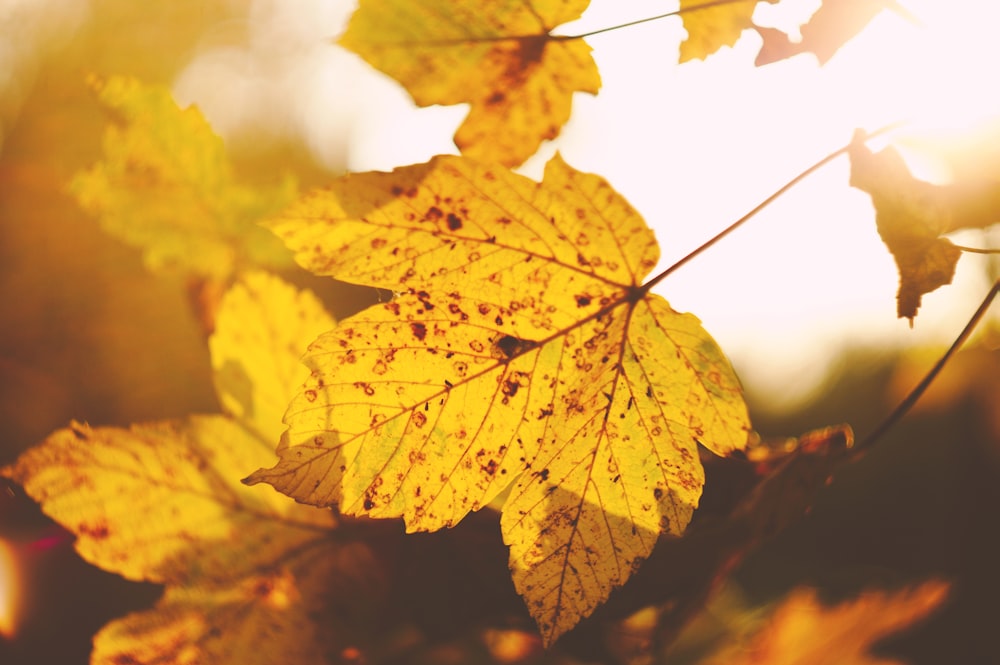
262, 329
521, 349
499, 58
162, 502
713, 25
802, 631
165, 186
911, 216
834, 24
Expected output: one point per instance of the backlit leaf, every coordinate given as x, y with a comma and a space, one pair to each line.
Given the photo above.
166, 186
522, 349
912, 215
714, 26
498, 57
162, 502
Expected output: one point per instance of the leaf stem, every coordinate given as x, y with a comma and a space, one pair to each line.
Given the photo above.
760, 206
977, 250
682, 10
903, 407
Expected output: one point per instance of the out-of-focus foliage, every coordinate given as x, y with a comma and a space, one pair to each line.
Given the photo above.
804, 631
832, 26
498, 57
165, 185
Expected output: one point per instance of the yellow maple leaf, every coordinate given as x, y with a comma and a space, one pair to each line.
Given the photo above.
802, 631
523, 349
162, 502
912, 215
166, 186
712, 25
499, 58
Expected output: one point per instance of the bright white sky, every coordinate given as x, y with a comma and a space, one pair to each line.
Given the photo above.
692, 147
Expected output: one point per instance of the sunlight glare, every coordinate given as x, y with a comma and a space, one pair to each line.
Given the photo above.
10, 591
694, 147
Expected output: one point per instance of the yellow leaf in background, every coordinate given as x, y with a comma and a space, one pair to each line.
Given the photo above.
912, 215
498, 57
166, 186
714, 26
261, 331
248, 573
163, 502
802, 631
522, 350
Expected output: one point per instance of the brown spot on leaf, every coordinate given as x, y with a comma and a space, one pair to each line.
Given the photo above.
509, 346
433, 214
418, 419
97, 530
582, 301
310, 395
419, 330
454, 223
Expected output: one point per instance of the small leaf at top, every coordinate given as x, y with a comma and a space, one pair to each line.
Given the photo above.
911, 215
716, 25
522, 349
166, 186
498, 57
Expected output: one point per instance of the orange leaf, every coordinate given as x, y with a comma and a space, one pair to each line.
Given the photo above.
804, 632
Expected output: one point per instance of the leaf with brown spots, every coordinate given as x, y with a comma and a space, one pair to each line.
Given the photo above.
523, 351
912, 215
162, 502
498, 57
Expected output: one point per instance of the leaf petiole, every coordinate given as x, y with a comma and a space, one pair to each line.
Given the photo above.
629, 24
763, 204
